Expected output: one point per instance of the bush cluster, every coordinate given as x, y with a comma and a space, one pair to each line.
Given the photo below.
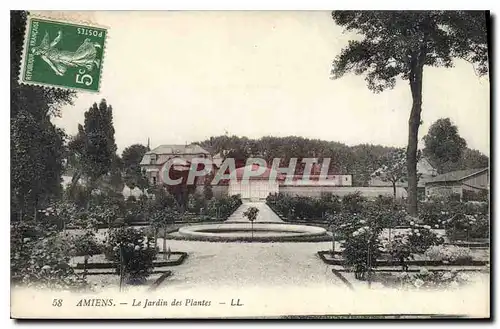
456, 217
85, 244
132, 251
334, 209
304, 208
222, 208
40, 258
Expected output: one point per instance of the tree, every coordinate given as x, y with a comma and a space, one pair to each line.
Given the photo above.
472, 159
133, 154
443, 144
251, 213
93, 149
398, 44
36, 145
393, 168
131, 158
100, 134
366, 159
160, 219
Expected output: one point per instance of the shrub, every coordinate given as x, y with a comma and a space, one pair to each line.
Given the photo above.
40, 258
418, 239
385, 201
281, 203
452, 215
196, 202
208, 193
223, 207
304, 208
59, 214
449, 253
129, 248
361, 234
421, 237
399, 248
353, 202
483, 195
85, 244
435, 212
251, 213
361, 249
464, 226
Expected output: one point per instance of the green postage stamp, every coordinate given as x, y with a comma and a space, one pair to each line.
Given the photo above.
63, 54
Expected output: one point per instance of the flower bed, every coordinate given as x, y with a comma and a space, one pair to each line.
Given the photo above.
326, 257
177, 258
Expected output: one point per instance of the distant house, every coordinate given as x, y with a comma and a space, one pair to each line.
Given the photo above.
424, 169
459, 182
180, 155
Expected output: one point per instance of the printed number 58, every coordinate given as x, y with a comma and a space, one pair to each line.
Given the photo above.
85, 78
57, 302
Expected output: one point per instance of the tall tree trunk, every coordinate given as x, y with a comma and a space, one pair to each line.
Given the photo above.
394, 190
416, 77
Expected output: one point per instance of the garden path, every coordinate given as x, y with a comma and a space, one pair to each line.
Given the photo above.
254, 264
265, 213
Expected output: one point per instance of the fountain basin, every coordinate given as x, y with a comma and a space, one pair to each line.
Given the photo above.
261, 232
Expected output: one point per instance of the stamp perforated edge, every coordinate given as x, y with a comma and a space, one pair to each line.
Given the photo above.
31, 16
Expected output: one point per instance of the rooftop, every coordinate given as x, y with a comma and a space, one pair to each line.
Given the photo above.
455, 176
178, 149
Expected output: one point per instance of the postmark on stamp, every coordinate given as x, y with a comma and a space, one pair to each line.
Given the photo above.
63, 54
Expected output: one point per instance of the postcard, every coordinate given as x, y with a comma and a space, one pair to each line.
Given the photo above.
250, 164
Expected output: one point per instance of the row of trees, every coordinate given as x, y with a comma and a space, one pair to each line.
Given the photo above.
361, 161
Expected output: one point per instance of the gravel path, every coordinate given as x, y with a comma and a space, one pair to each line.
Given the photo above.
213, 264
250, 264
265, 213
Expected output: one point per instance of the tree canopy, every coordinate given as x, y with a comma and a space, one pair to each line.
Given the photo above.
443, 144
131, 157
392, 45
391, 41
92, 151
36, 145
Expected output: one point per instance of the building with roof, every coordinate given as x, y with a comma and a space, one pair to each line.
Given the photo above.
459, 182
181, 157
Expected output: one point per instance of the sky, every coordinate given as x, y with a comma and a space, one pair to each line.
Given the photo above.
181, 77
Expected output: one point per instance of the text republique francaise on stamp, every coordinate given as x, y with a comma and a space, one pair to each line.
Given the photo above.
63, 54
